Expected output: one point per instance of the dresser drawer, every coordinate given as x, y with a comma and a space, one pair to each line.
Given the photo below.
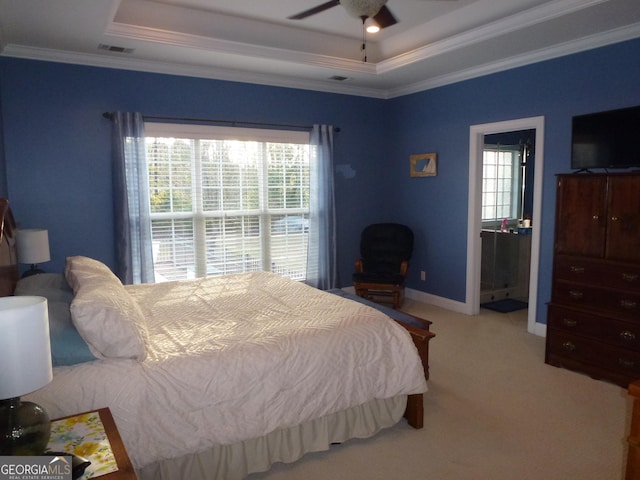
586, 351
598, 327
574, 321
598, 273
620, 303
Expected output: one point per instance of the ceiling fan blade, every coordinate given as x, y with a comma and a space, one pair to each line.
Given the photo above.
314, 10
384, 18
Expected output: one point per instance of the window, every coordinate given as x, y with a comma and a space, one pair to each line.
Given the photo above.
500, 183
227, 200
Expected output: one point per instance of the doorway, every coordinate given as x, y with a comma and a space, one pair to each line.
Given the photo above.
507, 206
474, 241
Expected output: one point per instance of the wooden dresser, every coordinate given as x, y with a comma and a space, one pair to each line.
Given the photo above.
593, 324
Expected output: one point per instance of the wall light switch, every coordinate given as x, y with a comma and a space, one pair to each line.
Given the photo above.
423, 276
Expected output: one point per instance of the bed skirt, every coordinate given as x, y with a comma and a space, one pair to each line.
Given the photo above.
236, 461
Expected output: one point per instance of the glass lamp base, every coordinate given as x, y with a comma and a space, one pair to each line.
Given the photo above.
24, 428
34, 270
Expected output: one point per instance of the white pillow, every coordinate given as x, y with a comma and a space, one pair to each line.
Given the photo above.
105, 315
79, 271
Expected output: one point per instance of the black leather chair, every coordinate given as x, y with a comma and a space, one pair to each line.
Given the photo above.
385, 250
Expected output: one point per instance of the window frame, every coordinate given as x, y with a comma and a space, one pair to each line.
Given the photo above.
515, 197
200, 217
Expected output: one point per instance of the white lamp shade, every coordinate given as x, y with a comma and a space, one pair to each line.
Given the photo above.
32, 245
25, 351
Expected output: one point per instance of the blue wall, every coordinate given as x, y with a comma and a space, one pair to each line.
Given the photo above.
439, 120
59, 175
57, 143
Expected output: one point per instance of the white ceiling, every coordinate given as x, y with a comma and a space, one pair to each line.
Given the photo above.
435, 42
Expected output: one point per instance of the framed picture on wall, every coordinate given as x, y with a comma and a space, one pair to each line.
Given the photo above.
423, 165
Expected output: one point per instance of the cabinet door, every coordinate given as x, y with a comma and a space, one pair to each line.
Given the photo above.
581, 215
623, 228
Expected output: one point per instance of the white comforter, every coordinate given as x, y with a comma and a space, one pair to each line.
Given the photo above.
236, 357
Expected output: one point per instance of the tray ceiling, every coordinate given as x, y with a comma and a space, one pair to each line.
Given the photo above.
435, 42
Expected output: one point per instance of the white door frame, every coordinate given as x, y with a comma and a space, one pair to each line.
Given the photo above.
474, 242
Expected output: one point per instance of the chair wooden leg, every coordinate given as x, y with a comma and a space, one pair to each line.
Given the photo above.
389, 294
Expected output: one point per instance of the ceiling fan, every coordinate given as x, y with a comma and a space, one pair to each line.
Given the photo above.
363, 9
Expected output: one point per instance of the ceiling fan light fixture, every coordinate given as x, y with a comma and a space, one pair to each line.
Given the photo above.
362, 8
371, 26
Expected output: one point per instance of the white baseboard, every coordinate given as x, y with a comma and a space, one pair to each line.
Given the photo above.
539, 329
442, 302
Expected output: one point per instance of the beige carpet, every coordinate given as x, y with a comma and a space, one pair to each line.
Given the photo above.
494, 411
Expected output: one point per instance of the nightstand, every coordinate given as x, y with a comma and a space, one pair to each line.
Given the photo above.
81, 421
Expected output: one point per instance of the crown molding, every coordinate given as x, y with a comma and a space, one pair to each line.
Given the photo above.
111, 61
214, 73
568, 48
494, 29
177, 39
491, 30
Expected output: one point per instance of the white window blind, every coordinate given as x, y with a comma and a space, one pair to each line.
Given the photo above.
228, 200
500, 180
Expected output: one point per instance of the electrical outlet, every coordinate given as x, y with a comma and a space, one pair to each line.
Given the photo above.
423, 276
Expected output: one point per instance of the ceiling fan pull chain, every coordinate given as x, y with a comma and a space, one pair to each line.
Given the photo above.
364, 40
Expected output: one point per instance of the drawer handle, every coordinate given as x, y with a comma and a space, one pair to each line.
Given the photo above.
630, 277
626, 363
627, 336
628, 304
576, 294
575, 269
568, 322
569, 346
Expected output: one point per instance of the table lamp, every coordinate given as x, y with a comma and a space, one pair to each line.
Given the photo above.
25, 366
32, 245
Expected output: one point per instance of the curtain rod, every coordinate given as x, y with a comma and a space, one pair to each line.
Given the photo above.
234, 123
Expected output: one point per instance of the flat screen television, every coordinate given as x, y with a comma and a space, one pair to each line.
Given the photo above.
606, 139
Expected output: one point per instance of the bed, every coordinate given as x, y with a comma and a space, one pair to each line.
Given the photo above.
217, 378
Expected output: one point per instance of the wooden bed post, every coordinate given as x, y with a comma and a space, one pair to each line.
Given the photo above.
415, 410
415, 407
8, 257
